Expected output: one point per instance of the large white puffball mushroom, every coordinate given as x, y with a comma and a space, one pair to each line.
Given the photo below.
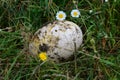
59, 39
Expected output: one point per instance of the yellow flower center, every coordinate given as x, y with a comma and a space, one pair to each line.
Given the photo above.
43, 56
60, 15
75, 13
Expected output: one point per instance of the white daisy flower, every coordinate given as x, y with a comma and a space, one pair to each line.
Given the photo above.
106, 0
61, 16
90, 11
0, 29
75, 13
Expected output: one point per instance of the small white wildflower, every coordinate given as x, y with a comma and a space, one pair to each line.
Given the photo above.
90, 11
61, 16
106, 0
75, 13
0, 29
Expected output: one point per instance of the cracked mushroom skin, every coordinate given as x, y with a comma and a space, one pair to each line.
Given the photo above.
58, 39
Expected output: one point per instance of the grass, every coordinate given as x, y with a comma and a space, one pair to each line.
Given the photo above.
97, 59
